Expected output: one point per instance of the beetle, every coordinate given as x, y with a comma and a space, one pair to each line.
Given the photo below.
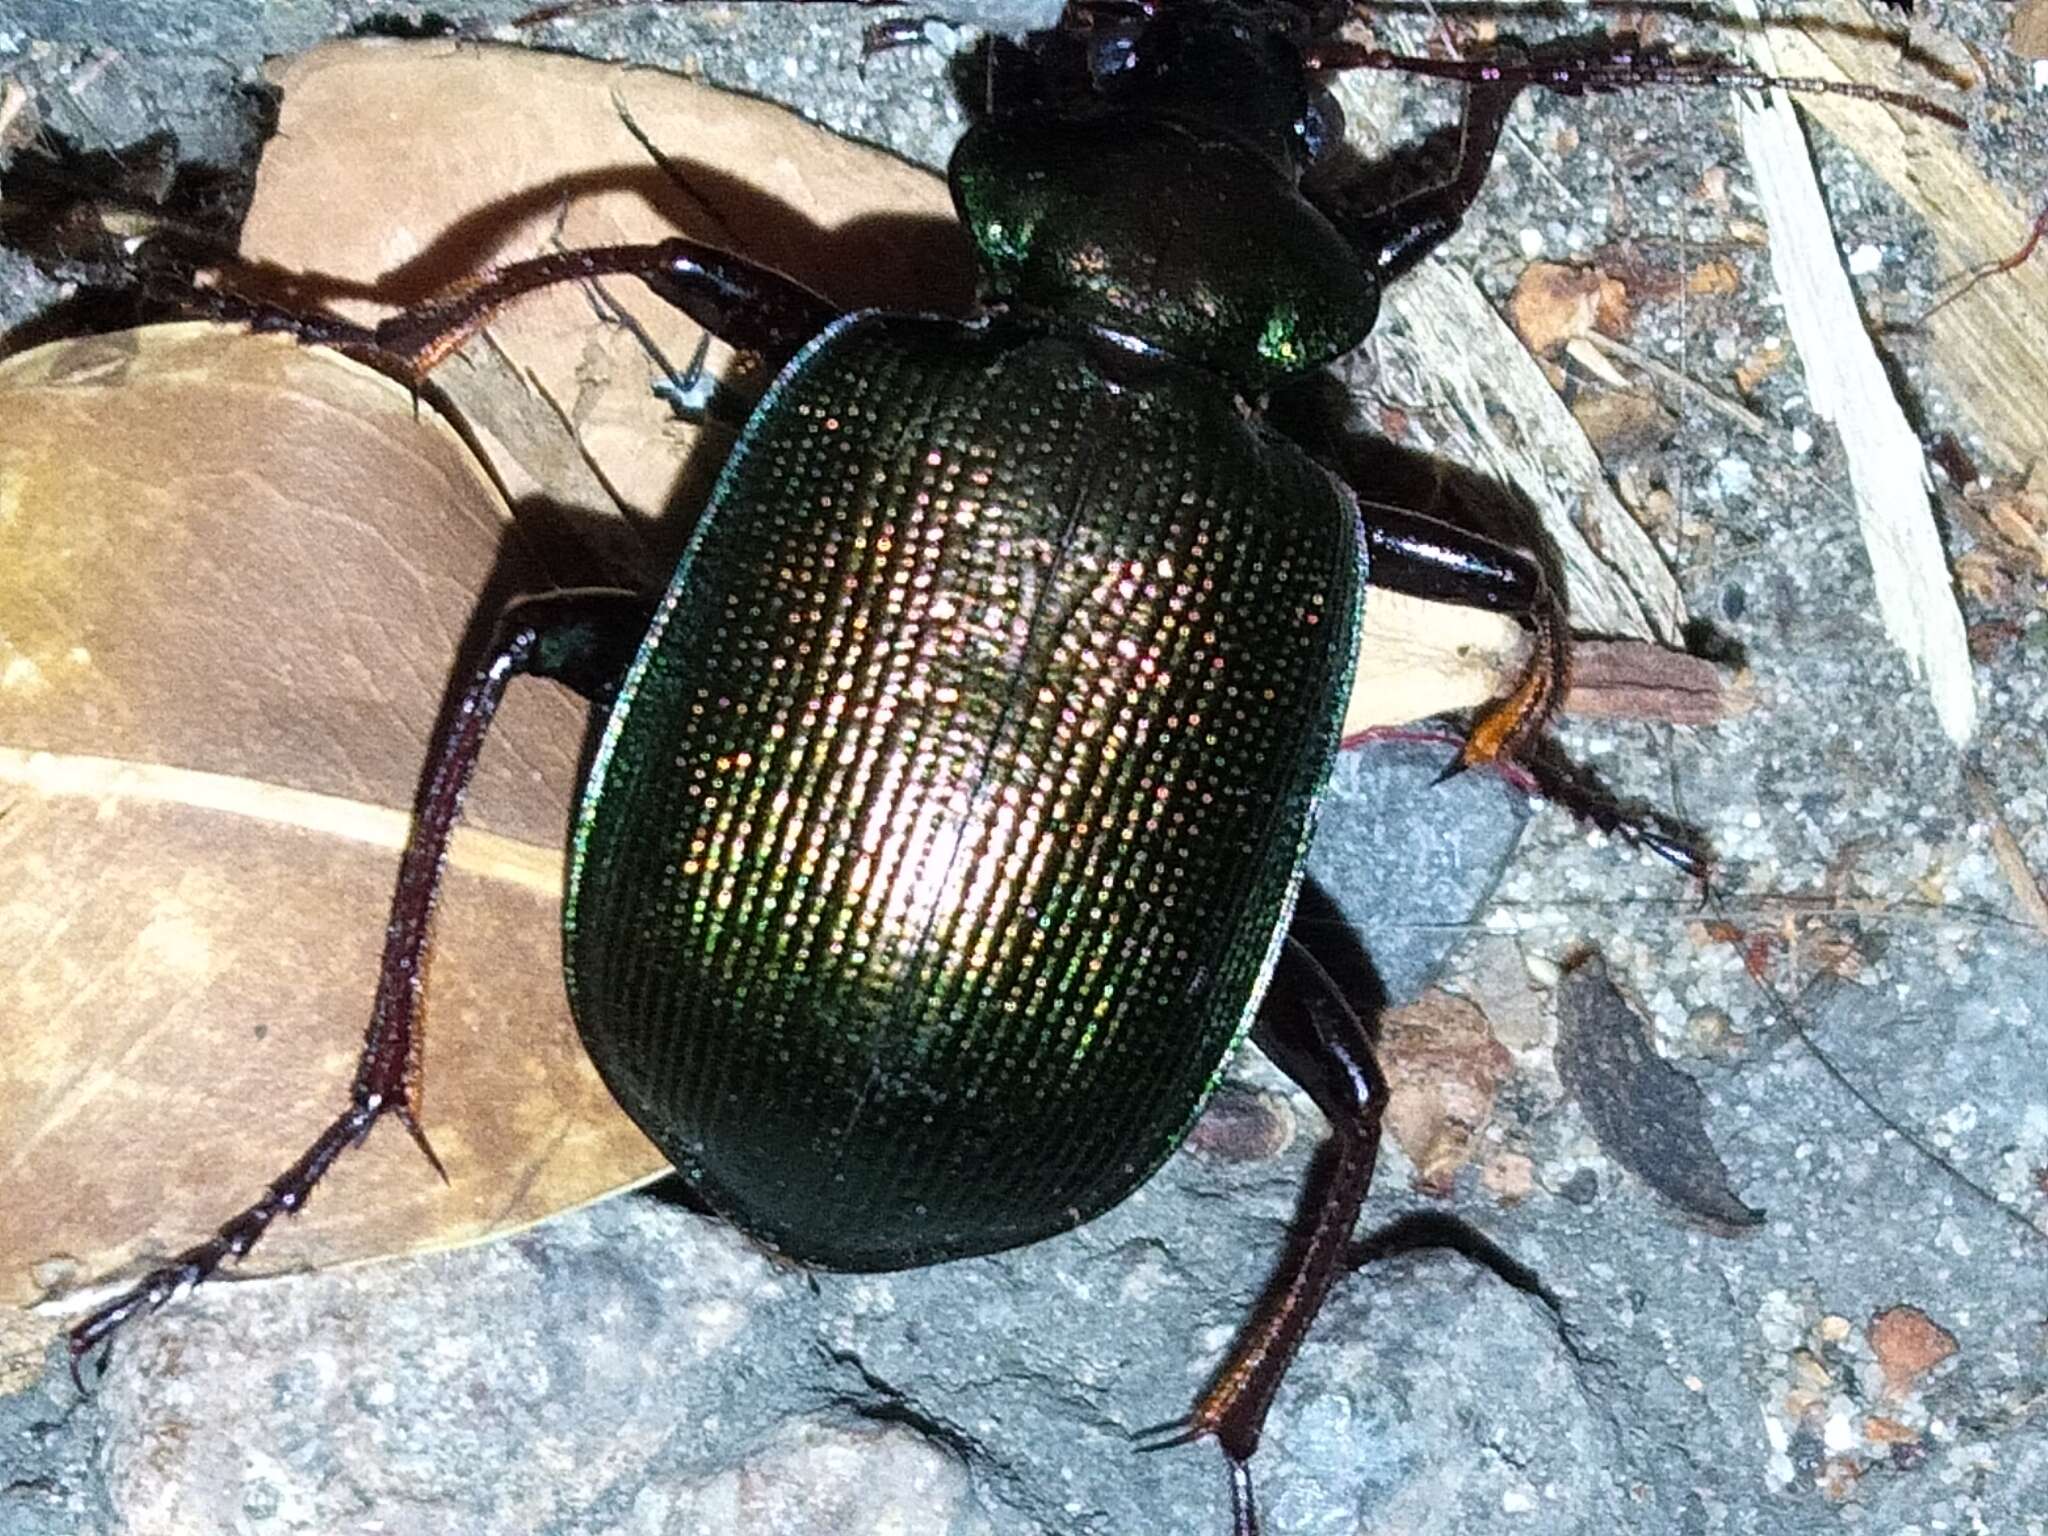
948, 813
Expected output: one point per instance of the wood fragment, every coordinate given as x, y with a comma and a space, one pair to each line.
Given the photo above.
2028, 34
1492, 409
1553, 304
1512, 425
2005, 848
1633, 680
1581, 350
1990, 347
1733, 410
1849, 387
1419, 659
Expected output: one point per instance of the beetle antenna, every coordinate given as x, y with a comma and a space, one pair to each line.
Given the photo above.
571, 10
1792, 1019
1994, 268
1628, 66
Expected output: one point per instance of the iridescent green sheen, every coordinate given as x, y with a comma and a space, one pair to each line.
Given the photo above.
942, 837
1180, 237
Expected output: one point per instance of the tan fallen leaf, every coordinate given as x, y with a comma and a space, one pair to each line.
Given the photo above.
234, 574
444, 168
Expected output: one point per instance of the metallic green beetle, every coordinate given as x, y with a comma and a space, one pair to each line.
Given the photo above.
943, 833
950, 805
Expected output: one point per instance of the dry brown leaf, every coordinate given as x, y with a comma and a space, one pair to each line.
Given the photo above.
1552, 304
1648, 1115
1982, 576
1751, 372
1443, 1069
233, 577
1713, 278
443, 167
2020, 519
1621, 422
2028, 34
2007, 518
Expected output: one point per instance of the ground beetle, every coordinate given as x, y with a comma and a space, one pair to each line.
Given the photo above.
946, 822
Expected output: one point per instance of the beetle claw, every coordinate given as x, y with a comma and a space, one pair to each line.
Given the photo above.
79, 1355
1164, 1437
411, 1122
1450, 771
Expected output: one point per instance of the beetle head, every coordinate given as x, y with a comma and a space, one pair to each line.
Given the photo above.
1137, 175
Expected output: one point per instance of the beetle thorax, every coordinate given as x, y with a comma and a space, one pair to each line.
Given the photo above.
1166, 238
1161, 210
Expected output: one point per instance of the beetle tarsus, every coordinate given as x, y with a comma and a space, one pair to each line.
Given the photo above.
1546, 774
1507, 729
285, 1196
1244, 1516
570, 635
1244, 1510
1318, 1040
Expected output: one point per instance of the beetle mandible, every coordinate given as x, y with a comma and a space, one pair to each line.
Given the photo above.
950, 805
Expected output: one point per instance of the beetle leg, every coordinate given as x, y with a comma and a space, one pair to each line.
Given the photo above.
752, 307
1309, 1030
1408, 552
1415, 554
1392, 238
583, 639
1548, 775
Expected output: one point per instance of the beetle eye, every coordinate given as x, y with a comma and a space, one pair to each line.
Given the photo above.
1320, 128
1111, 53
